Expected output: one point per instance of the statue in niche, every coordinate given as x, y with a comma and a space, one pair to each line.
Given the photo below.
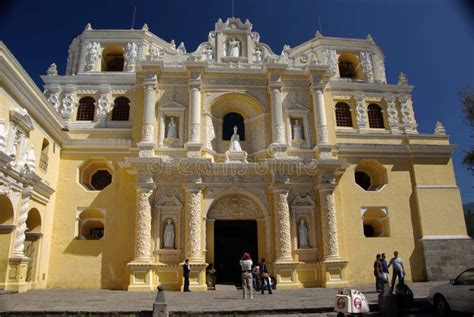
297, 134
303, 235
258, 55
168, 234
234, 144
172, 132
208, 53
234, 48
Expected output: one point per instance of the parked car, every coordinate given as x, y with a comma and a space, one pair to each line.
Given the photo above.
457, 295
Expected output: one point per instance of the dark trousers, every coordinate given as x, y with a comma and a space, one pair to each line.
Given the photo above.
401, 278
379, 282
186, 283
266, 281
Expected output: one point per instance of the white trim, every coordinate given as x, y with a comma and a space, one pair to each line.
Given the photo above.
446, 238
437, 186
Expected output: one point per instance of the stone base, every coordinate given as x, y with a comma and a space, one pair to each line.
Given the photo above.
141, 277
236, 157
323, 151
446, 258
16, 276
279, 150
145, 149
332, 273
286, 275
193, 150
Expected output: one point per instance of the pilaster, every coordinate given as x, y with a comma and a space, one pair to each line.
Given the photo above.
392, 114
146, 145
279, 145
193, 146
361, 113
103, 105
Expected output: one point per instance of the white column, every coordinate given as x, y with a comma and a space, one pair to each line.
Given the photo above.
282, 224
278, 126
193, 250
194, 135
146, 144
319, 110
19, 246
328, 216
143, 225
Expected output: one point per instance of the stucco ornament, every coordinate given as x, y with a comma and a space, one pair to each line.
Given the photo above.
392, 111
131, 56
233, 207
282, 213
366, 62
193, 243
361, 112
104, 101
402, 79
92, 56
52, 70
439, 129
329, 224
53, 100
143, 230
19, 245
379, 69
181, 49
234, 48
331, 59
258, 55
234, 144
68, 102
208, 53
172, 132
155, 53
297, 134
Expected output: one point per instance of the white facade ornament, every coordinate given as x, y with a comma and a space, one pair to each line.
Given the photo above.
194, 222
131, 56
3, 135
318, 34
155, 53
258, 55
53, 100
19, 245
392, 113
439, 129
379, 69
361, 112
366, 62
52, 70
303, 234
329, 223
369, 38
408, 121
172, 131
286, 51
104, 102
282, 222
67, 106
143, 226
181, 49
331, 59
297, 134
145, 27
402, 79
169, 235
234, 144
88, 27
92, 56
234, 48
208, 53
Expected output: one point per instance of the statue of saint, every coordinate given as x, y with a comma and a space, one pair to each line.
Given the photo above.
234, 144
168, 235
303, 235
208, 53
258, 55
172, 133
234, 48
297, 135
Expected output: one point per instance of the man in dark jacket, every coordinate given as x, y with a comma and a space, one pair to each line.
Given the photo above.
186, 271
265, 277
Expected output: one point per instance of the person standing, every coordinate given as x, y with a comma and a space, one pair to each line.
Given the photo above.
398, 269
378, 273
186, 270
246, 265
265, 277
384, 268
211, 277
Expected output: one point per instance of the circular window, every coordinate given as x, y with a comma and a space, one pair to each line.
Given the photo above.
101, 179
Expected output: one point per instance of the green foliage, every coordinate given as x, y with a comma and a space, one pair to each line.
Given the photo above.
466, 96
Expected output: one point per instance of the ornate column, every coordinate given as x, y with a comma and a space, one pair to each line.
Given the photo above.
146, 145
103, 105
68, 103
325, 188
19, 245
282, 224
143, 225
193, 245
408, 121
392, 114
361, 110
278, 126
194, 130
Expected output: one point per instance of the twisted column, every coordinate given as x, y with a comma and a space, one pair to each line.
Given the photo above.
19, 245
328, 220
143, 229
282, 224
193, 249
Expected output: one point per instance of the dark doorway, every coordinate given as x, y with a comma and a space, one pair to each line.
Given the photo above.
231, 239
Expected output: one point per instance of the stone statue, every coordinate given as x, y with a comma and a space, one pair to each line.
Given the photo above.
297, 135
93, 55
258, 55
131, 56
168, 235
234, 48
172, 133
208, 53
181, 49
155, 53
234, 144
303, 235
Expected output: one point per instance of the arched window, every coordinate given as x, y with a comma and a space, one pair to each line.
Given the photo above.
349, 66
112, 58
86, 109
44, 155
121, 109
343, 115
230, 120
375, 115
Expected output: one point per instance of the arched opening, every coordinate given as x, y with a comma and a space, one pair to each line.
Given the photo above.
32, 242
375, 114
370, 175
121, 110
112, 58
343, 115
375, 222
44, 158
349, 66
230, 121
91, 225
6, 233
86, 109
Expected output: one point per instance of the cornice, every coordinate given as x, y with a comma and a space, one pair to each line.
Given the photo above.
94, 79
338, 85
396, 150
97, 144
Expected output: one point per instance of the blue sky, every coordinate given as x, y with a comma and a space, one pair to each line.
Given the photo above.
431, 41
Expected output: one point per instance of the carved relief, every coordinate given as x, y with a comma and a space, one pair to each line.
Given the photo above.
104, 101
92, 56
131, 56
282, 215
53, 100
329, 225
143, 231
68, 102
234, 207
193, 204
19, 245
331, 59
366, 62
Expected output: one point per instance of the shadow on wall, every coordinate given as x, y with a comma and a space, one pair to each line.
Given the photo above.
417, 260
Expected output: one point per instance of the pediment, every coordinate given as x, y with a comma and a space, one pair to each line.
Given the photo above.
169, 201
172, 106
305, 201
296, 107
22, 119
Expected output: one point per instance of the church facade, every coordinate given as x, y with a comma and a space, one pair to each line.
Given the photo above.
143, 154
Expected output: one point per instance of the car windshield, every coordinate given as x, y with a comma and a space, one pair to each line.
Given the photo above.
466, 278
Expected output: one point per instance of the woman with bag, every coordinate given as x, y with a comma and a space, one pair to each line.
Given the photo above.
265, 277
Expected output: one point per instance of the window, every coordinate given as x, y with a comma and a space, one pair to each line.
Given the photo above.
374, 112
343, 115
112, 58
363, 180
370, 175
121, 109
349, 66
101, 179
86, 109
90, 224
43, 164
230, 120
375, 222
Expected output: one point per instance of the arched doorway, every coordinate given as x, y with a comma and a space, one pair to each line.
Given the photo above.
6, 232
235, 224
33, 236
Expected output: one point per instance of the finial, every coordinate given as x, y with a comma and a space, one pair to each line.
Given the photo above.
370, 38
402, 79
173, 44
88, 27
52, 70
145, 27
181, 48
219, 21
247, 22
439, 129
318, 34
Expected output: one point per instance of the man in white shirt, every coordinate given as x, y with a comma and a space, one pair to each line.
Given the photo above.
246, 264
398, 269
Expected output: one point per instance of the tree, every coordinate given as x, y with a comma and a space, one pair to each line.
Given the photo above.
467, 101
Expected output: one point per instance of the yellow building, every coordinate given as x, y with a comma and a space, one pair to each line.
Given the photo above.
143, 154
